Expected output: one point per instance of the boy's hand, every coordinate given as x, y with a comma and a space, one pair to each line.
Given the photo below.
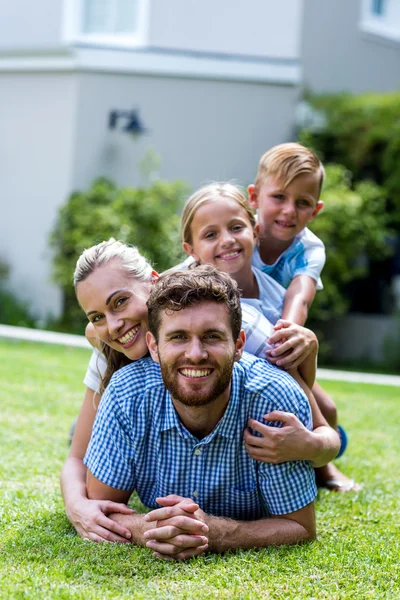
292, 344
278, 444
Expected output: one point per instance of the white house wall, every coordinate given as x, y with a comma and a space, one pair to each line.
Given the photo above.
338, 56
37, 124
30, 24
264, 28
202, 129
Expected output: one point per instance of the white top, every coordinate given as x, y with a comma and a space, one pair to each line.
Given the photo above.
271, 297
95, 371
304, 256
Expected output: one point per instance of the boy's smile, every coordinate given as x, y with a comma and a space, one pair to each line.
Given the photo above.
285, 211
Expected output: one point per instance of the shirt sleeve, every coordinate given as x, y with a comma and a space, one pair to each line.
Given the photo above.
288, 486
95, 371
110, 454
257, 329
311, 262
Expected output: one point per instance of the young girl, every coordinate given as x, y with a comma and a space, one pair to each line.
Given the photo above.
218, 227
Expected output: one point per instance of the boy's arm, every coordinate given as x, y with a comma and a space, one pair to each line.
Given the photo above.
298, 299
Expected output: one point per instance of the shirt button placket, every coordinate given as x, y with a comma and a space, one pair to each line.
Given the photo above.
197, 472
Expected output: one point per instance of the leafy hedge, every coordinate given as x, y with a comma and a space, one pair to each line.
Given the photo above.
13, 311
354, 225
147, 218
363, 133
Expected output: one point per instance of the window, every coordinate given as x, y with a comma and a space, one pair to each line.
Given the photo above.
111, 17
106, 22
377, 7
381, 18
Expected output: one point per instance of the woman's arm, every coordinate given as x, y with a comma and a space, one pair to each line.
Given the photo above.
89, 517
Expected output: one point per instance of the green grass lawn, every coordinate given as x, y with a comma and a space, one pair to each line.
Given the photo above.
356, 554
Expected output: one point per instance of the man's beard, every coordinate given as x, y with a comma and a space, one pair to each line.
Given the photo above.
196, 397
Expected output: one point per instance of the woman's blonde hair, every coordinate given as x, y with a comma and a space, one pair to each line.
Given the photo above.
133, 263
135, 266
212, 193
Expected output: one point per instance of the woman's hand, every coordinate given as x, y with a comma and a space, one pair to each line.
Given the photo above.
292, 345
89, 517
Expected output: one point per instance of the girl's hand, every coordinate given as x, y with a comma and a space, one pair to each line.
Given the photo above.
89, 517
292, 344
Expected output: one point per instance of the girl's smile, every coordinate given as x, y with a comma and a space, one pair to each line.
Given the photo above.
222, 235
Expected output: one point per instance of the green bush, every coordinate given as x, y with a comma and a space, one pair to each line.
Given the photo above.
147, 218
12, 310
354, 226
363, 133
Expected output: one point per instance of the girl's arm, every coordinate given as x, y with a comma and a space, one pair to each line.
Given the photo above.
293, 441
89, 517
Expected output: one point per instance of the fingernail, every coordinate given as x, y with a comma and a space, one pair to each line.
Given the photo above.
128, 535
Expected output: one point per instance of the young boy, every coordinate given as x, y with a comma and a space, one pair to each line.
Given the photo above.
286, 195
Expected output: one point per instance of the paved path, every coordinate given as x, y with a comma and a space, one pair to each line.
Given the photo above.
66, 339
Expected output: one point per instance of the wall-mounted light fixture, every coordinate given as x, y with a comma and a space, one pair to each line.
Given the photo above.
126, 120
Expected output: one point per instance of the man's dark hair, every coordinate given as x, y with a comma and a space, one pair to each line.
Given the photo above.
180, 289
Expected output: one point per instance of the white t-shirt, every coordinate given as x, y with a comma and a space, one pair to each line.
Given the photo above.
305, 256
95, 371
271, 297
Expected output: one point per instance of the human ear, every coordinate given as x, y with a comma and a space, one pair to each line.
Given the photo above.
316, 210
188, 248
252, 195
152, 346
154, 276
256, 232
239, 345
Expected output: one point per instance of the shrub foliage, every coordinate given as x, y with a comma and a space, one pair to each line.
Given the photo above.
354, 225
147, 218
363, 133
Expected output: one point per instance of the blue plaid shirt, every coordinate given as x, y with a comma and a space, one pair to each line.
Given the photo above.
139, 443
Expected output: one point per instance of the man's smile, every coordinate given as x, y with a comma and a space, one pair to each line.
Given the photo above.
192, 373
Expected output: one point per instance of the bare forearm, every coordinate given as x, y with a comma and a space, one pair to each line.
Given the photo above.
324, 446
73, 480
227, 534
295, 309
308, 368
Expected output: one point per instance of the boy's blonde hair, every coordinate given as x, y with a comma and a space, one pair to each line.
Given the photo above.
211, 193
287, 161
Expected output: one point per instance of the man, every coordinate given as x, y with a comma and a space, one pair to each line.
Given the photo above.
173, 430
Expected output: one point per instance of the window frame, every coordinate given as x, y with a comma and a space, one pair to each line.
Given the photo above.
383, 25
73, 27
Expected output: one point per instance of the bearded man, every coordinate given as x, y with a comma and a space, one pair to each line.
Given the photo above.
170, 427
